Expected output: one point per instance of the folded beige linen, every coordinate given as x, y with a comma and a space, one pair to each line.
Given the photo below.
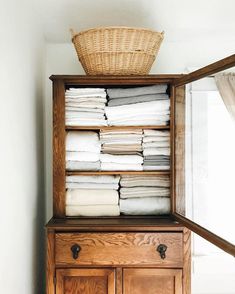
92, 210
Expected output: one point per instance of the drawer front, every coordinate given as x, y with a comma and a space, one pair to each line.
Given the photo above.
119, 249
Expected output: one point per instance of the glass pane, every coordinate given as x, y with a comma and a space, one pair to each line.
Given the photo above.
205, 170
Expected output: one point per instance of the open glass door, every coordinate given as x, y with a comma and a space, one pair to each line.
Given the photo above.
204, 148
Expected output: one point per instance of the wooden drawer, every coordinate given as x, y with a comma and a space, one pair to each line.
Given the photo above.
120, 249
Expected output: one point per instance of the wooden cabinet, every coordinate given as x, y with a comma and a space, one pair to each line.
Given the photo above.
121, 254
90, 281
152, 281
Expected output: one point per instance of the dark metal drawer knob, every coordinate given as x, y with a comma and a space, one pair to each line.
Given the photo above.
162, 250
75, 250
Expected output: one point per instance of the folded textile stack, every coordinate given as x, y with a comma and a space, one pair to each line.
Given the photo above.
156, 150
128, 141
92, 196
85, 107
111, 162
144, 195
148, 105
83, 151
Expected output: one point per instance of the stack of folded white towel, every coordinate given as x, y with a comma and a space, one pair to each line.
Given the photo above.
128, 141
148, 105
110, 162
92, 196
83, 151
144, 195
156, 150
85, 107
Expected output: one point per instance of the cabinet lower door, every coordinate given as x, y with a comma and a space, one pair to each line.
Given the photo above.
85, 281
152, 281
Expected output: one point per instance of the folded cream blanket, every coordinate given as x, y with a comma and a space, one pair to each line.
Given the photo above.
87, 115
100, 186
146, 122
83, 141
121, 159
156, 144
92, 210
91, 197
136, 91
144, 181
82, 156
110, 166
150, 139
156, 167
83, 109
145, 206
90, 122
83, 165
93, 179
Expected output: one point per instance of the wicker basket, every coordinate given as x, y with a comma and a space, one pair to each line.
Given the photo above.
117, 50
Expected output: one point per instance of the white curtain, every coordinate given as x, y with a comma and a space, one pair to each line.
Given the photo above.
226, 87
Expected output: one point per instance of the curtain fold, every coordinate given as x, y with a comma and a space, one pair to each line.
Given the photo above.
226, 86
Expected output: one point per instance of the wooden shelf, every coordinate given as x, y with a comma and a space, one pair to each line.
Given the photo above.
70, 128
72, 173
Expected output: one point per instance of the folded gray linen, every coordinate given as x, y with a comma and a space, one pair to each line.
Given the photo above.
137, 99
153, 163
145, 206
136, 91
83, 165
156, 157
156, 167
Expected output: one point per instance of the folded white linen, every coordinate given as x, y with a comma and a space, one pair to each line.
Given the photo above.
83, 165
155, 139
91, 197
121, 159
121, 142
138, 108
156, 167
156, 151
81, 105
148, 116
124, 132
141, 122
156, 133
137, 99
156, 144
100, 186
71, 99
81, 114
82, 156
92, 210
145, 206
136, 192
86, 90
87, 141
136, 91
110, 166
144, 181
86, 123
83, 109
93, 179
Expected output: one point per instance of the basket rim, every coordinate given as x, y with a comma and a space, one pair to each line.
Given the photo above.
118, 27
118, 52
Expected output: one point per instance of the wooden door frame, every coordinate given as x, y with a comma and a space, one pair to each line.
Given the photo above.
179, 82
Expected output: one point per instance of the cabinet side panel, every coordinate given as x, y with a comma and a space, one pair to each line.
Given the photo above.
58, 148
187, 262
50, 264
179, 162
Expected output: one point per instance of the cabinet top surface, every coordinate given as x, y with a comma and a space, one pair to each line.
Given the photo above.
106, 78
115, 224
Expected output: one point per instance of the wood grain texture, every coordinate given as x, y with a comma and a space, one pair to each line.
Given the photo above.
70, 173
172, 149
50, 262
120, 249
187, 262
58, 149
179, 152
152, 281
206, 71
85, 281
119, 280
71, 128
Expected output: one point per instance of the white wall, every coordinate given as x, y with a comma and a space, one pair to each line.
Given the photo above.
21, 150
